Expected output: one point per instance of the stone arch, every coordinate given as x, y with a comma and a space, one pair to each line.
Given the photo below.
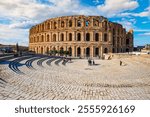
70, 23
70, 36
37, 38
87, 36
54, 37
47, 49
78, 23
96, 37
70, 51
96, 51
78, 51
55, 25
48, 38
42, 50
105, 50
42, 38
105, 37
79, 37
87, 52
61, 37
127, 41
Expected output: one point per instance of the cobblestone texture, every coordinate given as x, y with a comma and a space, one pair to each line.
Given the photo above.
76, 80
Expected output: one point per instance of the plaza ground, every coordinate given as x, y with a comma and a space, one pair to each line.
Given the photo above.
49, 78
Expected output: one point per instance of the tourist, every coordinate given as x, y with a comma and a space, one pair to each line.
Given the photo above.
120, 63
93, 62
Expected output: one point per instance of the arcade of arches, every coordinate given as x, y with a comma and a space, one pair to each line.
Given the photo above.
82, 36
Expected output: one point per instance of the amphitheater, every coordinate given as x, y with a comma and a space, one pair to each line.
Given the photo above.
35, 76
83, 36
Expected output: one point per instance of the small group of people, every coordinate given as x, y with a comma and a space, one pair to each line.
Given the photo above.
91, 62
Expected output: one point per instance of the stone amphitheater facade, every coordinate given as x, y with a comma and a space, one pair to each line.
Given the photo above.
82, 36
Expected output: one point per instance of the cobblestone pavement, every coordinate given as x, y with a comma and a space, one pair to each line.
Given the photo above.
34, 77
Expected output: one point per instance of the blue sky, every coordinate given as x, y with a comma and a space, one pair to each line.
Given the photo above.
17, 16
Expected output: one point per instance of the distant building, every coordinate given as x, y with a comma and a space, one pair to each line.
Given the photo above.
146, 48
82, 36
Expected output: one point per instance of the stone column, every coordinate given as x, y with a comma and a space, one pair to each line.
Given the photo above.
92, 36
101, 51
82, 51
91, 51
73, 51
74, 23
110, 37
101, 36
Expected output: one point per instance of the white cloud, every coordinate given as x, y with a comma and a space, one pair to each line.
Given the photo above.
96, 1
145, 34
112, 7
13, 35
145, 13
127, 23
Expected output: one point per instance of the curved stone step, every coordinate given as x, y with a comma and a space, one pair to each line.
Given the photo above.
13, 65
40, 62
58, 61
50, 61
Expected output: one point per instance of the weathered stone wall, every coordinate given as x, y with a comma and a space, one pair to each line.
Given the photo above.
81, 35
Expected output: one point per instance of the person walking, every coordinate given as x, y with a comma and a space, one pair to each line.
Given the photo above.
93, 62
120, 63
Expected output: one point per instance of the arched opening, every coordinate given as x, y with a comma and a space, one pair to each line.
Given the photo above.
70, 51
42, 38
105, 25
96, 51
62, 24
87, 36
37, 38
37, 50
95, 22
105, 37
87, 22
48, 26
127, 50
47, 50
79, 23
47, 38
78, 37
96, 37
62, 37
54, 48
61, 51
88, 52
55, 25
70, 23
41, 50
113, 50
70, 36
54, 37
78, 51
127, 41
105, 50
